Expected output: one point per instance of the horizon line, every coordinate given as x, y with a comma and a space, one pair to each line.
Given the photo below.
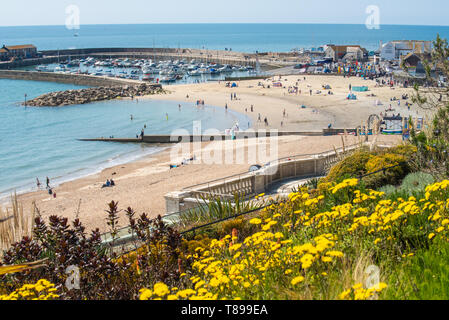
224, 23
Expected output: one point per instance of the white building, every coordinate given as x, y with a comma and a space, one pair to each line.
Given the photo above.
394, 50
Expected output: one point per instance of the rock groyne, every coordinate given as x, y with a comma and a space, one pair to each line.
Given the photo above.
82, 96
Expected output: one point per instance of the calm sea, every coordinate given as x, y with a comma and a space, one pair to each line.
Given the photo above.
40, 142
239, 37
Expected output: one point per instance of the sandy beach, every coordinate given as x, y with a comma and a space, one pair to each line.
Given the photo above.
142, 184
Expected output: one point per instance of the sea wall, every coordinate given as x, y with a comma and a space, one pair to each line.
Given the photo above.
218, 56
77, 79
82, 96
7, 65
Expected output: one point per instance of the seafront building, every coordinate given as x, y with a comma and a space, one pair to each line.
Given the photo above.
25, 51
396, 50
346, 53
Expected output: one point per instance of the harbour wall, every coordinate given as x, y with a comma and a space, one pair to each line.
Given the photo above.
77, 79
53, 56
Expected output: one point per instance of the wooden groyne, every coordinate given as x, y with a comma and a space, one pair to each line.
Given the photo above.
170, 139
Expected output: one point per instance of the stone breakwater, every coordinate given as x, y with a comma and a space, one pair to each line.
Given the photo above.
82, 96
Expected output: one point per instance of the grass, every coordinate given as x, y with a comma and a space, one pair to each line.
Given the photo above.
216, 209
14, 224
424, 277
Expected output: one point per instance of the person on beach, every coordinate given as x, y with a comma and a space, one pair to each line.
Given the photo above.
166, 116
259, 119
226, 107
112, 183
252, 109
107, 184
38, 183
231, 96
48, 182
179, 107
132, 118
142, 133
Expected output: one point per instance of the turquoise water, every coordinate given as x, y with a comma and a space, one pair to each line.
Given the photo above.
239, 37
40, 142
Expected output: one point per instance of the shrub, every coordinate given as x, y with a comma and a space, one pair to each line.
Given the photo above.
388, 189
350, 167
415, 182
362, 163
391, 176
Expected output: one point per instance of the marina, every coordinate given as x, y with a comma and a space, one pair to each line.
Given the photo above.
167, 72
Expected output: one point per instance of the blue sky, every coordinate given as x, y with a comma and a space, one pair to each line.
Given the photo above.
53, 12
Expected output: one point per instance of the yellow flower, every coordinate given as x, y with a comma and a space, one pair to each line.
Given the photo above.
297, 280
255, 221
185, 293
161, 289
145, 294
337, 254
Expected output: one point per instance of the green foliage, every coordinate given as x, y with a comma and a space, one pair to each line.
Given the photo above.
413, 183
216, 209
424, 276
364, 162
388, 189
392, 175
350, 167
416, 182
433, 143
312, 184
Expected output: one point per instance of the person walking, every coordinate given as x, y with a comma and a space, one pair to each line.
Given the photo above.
48, 182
